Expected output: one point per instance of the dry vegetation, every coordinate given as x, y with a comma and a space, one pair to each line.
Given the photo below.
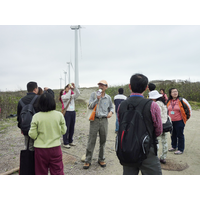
188, 90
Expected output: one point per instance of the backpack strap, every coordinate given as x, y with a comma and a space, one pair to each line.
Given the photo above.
32, 101
22, 103
140, 106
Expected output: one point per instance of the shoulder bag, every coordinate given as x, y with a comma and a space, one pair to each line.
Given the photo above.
65, 109
27, 161
167, 126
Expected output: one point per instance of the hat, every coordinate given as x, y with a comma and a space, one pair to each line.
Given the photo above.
154, 94
103, 82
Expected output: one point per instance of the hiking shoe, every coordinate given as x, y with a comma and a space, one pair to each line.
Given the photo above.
72, 144
163, 161
86, 166
172, 149
102, 164
66, 146
178, 152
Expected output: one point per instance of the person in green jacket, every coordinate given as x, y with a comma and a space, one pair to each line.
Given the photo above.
47, 127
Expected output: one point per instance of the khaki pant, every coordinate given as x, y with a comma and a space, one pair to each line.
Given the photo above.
163, 139
101, 126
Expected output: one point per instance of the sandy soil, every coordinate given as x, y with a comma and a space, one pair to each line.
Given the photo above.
11, 142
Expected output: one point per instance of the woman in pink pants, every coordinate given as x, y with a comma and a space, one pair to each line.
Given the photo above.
47, 127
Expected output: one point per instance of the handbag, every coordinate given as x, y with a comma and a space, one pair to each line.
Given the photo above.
92, 116
27, 161
167, 127
65, 109
89, 112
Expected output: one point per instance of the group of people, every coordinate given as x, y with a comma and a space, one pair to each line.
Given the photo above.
48, 125
179, 111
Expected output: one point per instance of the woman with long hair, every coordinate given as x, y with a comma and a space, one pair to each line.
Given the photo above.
180, 111
68, 99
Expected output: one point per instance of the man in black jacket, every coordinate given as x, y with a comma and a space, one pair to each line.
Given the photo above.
32, 89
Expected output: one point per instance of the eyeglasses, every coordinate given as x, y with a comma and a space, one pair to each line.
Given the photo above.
174, 92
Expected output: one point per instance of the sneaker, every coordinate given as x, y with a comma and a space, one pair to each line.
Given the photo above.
102, 164
86, 166
72, 144
66, 146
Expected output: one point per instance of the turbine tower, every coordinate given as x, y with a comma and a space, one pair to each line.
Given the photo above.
69, 74
65, 72
61, 81
76, 74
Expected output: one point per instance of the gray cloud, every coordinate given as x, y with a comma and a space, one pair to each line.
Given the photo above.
113, 53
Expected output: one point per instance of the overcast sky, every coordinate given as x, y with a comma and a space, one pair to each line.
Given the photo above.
114, 53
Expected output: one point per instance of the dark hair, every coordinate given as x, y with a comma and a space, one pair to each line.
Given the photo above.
31, 86
121, 90
46, 102
170, 91
162, 90
61, 93
161, 99
138, 83
40, 91
66, 86
151, 86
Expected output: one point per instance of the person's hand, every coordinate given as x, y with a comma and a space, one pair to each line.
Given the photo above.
109, 115
99, 97
73, 85
46, 88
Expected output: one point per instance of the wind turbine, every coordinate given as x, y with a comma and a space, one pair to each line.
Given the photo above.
65, 72
61, 81
76, 28
69, 74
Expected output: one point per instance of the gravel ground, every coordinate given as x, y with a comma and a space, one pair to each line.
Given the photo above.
12, 142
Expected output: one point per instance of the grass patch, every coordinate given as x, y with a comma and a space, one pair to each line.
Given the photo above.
4, 124
195, 105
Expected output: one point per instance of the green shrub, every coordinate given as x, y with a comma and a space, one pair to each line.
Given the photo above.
187, 90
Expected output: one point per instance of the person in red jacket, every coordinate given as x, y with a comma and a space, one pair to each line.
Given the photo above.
180, 111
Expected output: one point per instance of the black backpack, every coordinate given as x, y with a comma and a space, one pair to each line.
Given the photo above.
133, 141
26, 115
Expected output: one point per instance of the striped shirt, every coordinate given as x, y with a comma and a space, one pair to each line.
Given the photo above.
155, 113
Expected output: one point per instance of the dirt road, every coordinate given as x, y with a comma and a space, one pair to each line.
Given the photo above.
11, 142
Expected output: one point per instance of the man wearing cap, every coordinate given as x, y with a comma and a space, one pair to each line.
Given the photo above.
104, 111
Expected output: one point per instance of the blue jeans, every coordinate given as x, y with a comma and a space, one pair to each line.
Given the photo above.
177, 137
117, 124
